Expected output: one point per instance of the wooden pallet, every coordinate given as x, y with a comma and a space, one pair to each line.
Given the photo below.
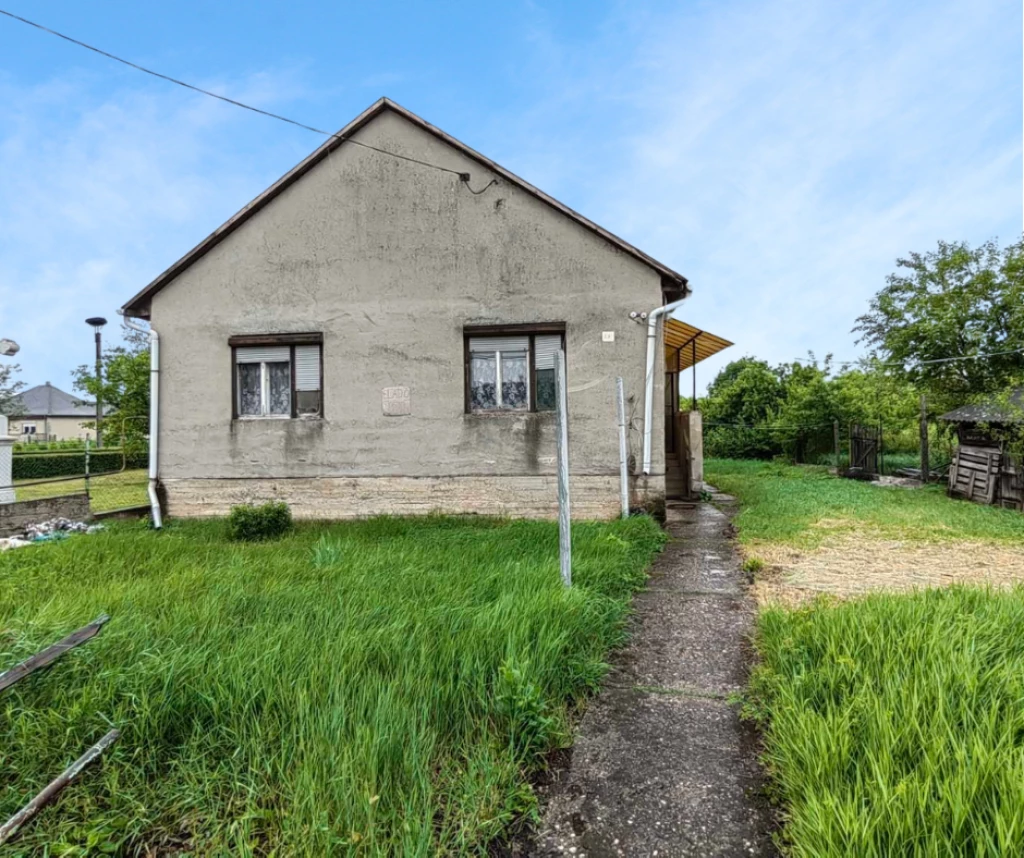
975, 473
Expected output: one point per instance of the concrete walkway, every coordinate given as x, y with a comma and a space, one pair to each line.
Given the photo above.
662, 765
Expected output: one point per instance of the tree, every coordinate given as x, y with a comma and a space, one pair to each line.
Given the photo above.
954, 302
9, 389
746, 393
124, 391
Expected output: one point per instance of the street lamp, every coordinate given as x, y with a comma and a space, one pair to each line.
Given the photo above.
9, 348
97, 323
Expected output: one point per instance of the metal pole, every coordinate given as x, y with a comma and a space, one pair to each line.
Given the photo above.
562, 443
87, 467
99, 387
620, 403
693, 345
925, 465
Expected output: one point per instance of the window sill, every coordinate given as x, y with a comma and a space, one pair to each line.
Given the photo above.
506, 412
278, 418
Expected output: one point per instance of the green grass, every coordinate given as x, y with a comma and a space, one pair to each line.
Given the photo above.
783, 503
894, 726
106, 492
373, 688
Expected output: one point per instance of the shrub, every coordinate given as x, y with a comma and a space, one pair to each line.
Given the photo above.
41, 466
250, 523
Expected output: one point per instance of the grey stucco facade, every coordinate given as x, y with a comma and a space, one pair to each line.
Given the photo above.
391, 261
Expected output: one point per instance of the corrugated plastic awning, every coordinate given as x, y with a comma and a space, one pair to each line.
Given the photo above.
686, 345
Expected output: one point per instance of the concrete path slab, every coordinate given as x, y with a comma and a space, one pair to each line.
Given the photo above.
662, 765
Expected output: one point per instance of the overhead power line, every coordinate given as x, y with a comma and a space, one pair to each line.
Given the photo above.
462, 175
915, 363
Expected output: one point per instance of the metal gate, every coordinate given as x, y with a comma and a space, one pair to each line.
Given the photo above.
865, 442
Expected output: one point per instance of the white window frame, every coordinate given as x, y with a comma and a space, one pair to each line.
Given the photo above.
498, 379
531, 333
26, 426
264, 392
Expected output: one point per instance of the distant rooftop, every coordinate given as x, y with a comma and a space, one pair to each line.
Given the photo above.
45, 400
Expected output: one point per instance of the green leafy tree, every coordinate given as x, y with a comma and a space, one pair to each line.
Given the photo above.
954, 302
10, 386
744, 397
124, 391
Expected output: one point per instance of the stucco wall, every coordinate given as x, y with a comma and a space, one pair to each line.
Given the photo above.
390, 260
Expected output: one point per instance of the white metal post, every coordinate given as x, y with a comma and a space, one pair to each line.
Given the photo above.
620, 404
562, 443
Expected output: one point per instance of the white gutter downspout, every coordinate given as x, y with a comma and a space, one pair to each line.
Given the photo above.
652, 340
154, 412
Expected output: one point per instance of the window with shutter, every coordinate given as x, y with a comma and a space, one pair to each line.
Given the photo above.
277, 375
512, 370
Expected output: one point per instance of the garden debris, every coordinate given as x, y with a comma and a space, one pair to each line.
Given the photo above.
56, 786
57, 528
49, 655
48, 531
13, 542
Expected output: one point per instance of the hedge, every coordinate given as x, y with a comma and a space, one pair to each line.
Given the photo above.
41, 466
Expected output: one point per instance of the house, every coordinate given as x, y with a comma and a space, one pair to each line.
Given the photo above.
983, 469
47, 413
377, 333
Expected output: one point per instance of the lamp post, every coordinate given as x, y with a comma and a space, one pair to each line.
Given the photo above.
97, 323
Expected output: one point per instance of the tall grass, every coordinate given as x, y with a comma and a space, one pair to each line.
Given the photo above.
783, 503
373, 688
894, 726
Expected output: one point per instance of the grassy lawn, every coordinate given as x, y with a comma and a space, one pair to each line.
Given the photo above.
787, 504
893, 724
371, 688
106, 492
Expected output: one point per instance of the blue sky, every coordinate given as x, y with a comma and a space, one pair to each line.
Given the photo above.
780, 154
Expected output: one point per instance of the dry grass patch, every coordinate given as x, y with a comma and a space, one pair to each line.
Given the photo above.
856, 561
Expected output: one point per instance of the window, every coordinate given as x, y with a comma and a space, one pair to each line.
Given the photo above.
277, 375
512, 368
28, 428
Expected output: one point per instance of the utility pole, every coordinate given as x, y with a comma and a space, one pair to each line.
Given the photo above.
97, 323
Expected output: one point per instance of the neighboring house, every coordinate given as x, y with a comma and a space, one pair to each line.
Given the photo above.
375, 335
47, 413
982, 469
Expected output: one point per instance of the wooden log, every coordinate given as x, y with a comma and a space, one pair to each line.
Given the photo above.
10, 828
49, 655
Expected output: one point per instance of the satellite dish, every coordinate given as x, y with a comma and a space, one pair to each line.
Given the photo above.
9, 348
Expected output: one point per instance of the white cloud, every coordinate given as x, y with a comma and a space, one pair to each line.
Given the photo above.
783, 154
105, 191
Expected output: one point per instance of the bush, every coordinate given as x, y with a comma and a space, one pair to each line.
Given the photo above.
249, 523
41, 466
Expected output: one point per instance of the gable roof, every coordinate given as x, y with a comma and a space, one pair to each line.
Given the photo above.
45, 400
138, 305
1010, 410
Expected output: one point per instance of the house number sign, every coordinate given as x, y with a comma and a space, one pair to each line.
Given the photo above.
395, 401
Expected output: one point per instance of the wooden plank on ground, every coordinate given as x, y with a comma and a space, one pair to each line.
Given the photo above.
49, 655
55, 787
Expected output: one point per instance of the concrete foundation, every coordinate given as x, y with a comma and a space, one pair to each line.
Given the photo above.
593, 497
